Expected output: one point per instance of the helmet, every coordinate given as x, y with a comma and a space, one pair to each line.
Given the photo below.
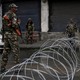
71, 20
12, 5
29, 19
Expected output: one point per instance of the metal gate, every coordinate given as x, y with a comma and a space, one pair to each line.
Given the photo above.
61, 12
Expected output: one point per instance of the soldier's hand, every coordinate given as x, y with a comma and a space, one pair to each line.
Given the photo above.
19, 21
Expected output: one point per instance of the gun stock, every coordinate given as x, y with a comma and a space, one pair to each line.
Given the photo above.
18, 32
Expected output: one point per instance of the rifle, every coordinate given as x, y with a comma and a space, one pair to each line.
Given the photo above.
18, 30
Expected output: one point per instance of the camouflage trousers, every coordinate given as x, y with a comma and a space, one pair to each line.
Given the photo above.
30, 36
10, 45
71, 35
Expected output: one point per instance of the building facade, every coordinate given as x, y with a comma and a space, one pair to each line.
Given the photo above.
47, 15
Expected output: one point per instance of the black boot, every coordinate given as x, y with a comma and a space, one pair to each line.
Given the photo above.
3, 69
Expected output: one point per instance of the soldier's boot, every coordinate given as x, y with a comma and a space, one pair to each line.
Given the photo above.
3, 69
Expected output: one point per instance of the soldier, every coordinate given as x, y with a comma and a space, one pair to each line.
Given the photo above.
30, 29
71, 28
10, 29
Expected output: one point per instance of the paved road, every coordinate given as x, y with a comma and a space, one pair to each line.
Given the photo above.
26, 51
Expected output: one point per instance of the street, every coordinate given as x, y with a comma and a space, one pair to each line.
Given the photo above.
39, 64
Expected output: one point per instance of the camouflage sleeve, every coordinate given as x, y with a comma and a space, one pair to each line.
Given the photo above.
14, 21
5, 20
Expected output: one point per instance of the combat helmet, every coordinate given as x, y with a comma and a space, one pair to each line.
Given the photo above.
29, 19
13, 5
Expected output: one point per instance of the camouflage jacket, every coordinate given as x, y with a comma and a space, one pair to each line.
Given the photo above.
71, 28
9, 21
30, 27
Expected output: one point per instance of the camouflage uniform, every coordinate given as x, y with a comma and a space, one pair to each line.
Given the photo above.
30, 29
10, 37
71, 29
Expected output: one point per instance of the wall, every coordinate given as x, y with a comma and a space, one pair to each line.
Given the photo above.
44, 16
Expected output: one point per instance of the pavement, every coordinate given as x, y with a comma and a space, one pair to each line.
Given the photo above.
26, 51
